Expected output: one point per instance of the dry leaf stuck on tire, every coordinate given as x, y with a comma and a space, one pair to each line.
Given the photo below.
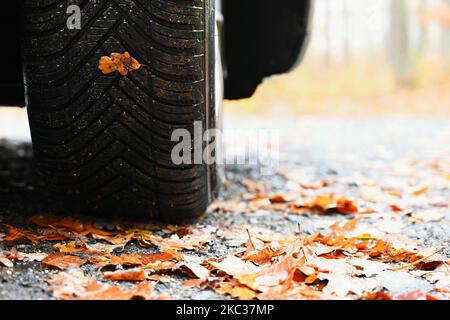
121, 62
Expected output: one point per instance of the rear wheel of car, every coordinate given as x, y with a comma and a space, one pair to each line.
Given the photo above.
103, 141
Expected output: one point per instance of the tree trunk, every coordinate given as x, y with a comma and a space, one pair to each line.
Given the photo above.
346, 17
446, 36
399, 42
328, 33
423, 36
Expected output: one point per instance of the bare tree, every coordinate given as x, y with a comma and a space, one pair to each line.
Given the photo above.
399, 45
446, 30
346, 41
327, 33
423, 36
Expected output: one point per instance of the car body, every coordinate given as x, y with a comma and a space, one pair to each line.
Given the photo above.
260, 38
109, 97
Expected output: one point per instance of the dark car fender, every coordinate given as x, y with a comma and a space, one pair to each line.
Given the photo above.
11, 77
262, 38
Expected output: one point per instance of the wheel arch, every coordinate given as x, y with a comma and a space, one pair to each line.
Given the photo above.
262, 38
11, 76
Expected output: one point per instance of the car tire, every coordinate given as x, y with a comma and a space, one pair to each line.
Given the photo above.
103, 141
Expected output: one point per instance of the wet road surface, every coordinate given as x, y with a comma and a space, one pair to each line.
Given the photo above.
359, 157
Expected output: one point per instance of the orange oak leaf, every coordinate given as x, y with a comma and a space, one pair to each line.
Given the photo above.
136, 274
121, 62
62, 262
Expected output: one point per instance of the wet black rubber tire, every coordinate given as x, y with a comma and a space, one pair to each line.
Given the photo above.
103, 142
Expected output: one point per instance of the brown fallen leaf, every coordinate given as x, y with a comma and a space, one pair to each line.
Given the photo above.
380, 248
46, 234
378, 296
101, 291
279, 198
234, 266
193, 283
195, 270
196, 240
82, 227
254, 187
418, 261
70, 247
7, 257
118, 239
15, 234
68, 284
22, 256
96, 248
236, 290
321, 203
148, 259
74, 285
441, 278
297, 292
121, 62
5, 261
265, 255
342, 285
327, 203
346, 206
396, 208
135, 274
273, 276
145, 289
62, 261
251, 249
157, 261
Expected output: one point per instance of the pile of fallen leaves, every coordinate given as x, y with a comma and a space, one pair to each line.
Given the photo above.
330, 266
77, 242
359, 253
338, 264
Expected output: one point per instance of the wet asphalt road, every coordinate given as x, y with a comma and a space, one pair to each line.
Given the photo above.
349, 151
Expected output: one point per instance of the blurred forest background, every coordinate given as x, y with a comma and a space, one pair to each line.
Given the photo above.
366, 58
